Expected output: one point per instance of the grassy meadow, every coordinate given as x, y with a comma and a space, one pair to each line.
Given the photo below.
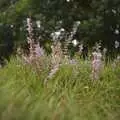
70, 95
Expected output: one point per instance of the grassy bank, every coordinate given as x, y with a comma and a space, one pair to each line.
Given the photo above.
69, 95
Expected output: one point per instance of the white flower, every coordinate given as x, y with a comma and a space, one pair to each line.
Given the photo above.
117, 31
118, 57
38, 23
68, 0
60, 22
117, 44
75, 42
62, 29
28, 20
57, 33
104, 51
52, 34
114, 11
78, 22
80, 48
12, 26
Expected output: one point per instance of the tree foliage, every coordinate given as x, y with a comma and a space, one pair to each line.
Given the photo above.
99, 19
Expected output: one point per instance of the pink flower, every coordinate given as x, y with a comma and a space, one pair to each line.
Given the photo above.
96, 64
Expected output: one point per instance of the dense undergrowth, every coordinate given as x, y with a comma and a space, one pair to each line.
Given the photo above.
69, 95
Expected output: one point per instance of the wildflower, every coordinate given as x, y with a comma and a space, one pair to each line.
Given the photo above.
34, 46
28, 20
73, 61
38, 50
96, 64
56, 59
62, 29
104, 50
98, 46
117, 44
56, 53
57, 33
60, 22
78, 22
118, 57
75, 42
19, 51
11, 26
68, 0
38, 24
114, 11
116, 62
117, 31
81, 48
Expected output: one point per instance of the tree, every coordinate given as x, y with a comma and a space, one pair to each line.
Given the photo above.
99, 19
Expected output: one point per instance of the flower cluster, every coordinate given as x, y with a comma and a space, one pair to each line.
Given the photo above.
56, 59
34, 47
57, 54
96, 64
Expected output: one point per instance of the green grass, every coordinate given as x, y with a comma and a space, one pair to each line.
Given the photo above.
69, 95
